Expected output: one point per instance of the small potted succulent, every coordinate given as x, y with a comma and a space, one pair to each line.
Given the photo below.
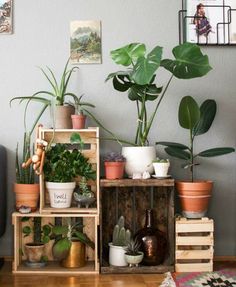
120, 239
133, 255
79, 118
114, 165
161, 167
84, 195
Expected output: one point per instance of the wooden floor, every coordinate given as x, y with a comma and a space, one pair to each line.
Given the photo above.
7, 279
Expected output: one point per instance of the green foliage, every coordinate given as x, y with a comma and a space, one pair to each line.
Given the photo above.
133, 247
79, 105
121, 236
198, 121
70, 232
138, 79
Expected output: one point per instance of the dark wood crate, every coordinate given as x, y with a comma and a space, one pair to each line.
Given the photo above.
131, 198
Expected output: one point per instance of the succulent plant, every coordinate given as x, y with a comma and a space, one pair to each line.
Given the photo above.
114, 157
158, 160
84, 189
121, 236
133, 247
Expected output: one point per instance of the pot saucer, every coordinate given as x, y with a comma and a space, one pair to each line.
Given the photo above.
161, 177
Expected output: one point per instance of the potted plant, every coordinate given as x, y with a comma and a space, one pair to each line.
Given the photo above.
194, 195
56, 97
133, 255
79, 118
84, 195
120, 239
139, 81
114, 165
41, 235
60, 168
161, 167
70, 248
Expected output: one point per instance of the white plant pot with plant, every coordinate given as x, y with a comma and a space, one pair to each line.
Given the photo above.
161, 167
120, 239
133, 255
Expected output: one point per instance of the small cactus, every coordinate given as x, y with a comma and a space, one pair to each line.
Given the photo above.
121, 236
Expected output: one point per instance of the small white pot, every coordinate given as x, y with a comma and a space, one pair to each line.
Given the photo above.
161, 168
134, 260
117, 255
139, 159
60, 194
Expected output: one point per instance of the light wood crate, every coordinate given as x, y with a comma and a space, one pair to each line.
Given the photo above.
90, 137
90, 222
194, 245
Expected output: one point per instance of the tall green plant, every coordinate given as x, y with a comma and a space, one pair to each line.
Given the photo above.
197, 120
138, 79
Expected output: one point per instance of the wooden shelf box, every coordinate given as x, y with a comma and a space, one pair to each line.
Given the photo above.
130, 198
194, 245
90, 137
91, 224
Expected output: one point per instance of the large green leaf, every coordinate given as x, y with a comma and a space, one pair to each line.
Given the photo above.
173, 144
189, 113
216, 151
208, 112
145, 67
189, 62
128, 54
60, 230
120, 84
177, 152
61, 248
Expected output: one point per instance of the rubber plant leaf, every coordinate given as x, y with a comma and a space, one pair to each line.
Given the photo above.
189, 113
208, 112
216, 151
146, 67
189, 62
173, 144
128, 54
176, 152
61, 248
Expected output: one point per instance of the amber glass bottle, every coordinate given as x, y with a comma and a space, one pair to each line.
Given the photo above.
153, 242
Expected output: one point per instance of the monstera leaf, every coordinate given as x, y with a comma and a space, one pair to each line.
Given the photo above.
189, 62
189, 113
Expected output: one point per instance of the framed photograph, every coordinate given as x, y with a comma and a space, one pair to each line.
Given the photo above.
6, 16
85, 42
210, 21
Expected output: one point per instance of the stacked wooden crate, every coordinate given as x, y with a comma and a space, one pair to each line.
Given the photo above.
194, 245
89, 216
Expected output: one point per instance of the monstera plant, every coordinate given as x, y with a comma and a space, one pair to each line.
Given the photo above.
139, 81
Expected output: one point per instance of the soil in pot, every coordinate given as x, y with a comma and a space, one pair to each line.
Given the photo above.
27, 195
78, 121
114, 170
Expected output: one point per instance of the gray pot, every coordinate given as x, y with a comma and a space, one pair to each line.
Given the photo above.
134, 260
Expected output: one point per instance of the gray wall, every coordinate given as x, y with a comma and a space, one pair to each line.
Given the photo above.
41, 37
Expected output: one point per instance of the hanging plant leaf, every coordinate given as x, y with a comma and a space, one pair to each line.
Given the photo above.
189, 113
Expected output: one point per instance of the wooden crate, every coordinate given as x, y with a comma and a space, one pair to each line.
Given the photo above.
130, 198
194, 245
90, 222
90, 138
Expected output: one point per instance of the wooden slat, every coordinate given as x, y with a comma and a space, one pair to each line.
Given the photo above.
194, 240
195, 227
46, 210
194, 267
137, 270
194, 254
136, 182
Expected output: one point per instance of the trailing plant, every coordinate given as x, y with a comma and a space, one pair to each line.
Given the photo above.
197, 120
133, 247
68, 233
139, 78
121, 236
114, 157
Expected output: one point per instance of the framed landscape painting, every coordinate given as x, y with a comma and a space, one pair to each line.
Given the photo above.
85, 42
211, 21
6, 16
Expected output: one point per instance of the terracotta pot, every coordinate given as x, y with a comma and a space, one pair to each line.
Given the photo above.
78, 121
63, 117
34, 251
114, 170
76, 256
194, 197
27, 195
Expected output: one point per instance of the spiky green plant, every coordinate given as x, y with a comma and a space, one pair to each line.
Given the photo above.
121, 236
133, 247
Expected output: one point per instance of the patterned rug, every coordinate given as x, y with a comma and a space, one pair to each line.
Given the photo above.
224, 276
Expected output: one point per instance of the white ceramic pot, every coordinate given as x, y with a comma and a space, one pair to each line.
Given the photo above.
117, 255
139, 159
161, 168
134, 260
60, 193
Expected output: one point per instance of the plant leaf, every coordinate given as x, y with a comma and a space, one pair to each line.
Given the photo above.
26, 230
60, 230
61, 248
189, 62
178, 153
120, 84
207, 115
216, 151
145, 68
189, 113
173, 144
